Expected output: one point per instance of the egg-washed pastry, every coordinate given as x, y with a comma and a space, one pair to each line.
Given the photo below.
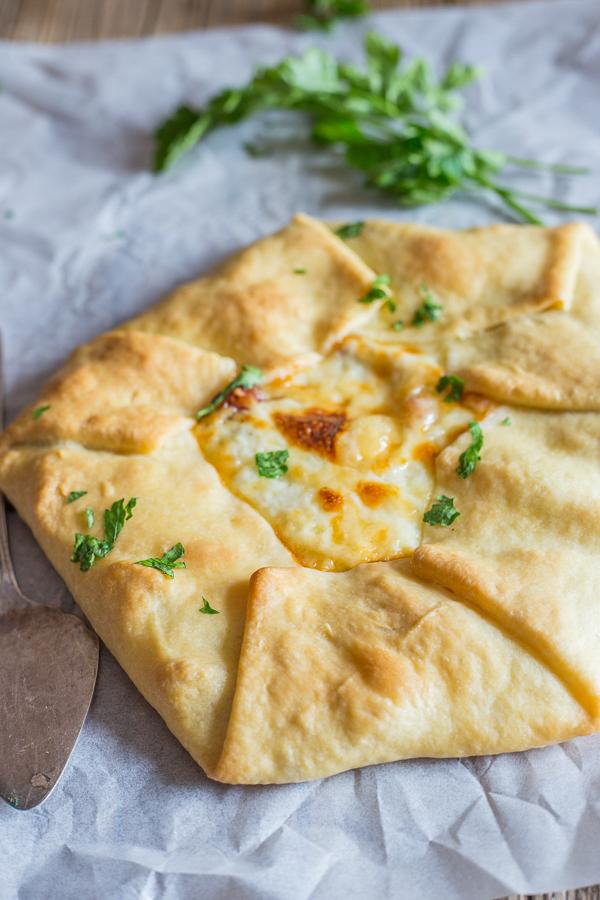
338, 501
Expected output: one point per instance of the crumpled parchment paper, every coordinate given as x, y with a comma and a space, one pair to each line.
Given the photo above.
88, 238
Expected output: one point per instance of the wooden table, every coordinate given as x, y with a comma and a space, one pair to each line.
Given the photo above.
75, 20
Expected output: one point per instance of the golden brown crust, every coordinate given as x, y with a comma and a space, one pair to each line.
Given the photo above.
482, 277
259, 309
485, 640
126, 392
524, 548
372, 665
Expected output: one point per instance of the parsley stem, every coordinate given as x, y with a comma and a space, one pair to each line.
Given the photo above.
556, 204
508, 197
560, 168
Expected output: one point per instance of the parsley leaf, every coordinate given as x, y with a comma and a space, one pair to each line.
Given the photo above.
168, 561
430, 311
455, 384
207, 608
442, 513
87, 547
469, 459
40, 411
255, 151
75, 495
506, 421
248, 377
90, 516
378, 290
299, 271
396, 121
273, 464
115, 518
325, 13
351, 230
398, 326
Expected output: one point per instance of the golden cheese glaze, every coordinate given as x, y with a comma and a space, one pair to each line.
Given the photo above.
362, 428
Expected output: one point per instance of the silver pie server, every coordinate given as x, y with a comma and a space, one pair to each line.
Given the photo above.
48, 668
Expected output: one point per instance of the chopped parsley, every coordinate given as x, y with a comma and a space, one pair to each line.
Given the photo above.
469, 459
40, 411
87, 547
207, 608
455, 384
273, 464
391, 305
351, 230
9, 213
506, 421
90, 516
379, 290
75, 495
115, 518
442, 513
168, 561
248, 377
398, 326
299, 271
429, 311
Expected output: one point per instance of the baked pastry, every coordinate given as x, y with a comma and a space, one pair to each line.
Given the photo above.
390, 534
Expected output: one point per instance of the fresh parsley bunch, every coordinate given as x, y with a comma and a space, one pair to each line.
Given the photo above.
395, 121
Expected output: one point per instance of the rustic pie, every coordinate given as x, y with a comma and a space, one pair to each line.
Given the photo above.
338, 501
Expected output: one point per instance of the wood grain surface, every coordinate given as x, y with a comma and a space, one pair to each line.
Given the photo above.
82, 20
55, 21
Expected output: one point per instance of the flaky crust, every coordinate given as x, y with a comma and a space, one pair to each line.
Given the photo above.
482, 640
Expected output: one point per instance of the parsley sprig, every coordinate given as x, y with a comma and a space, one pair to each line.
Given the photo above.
469, 459
395, 121
429, 311
170, 560
207, 608
456, 386
323, 14
248, 378
272, 464
87, 547
75, 495
442, 513
378, 290
351, 230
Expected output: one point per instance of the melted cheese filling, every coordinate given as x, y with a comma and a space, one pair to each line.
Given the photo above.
362, 428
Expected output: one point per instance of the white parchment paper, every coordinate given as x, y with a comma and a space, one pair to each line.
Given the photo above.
88, 238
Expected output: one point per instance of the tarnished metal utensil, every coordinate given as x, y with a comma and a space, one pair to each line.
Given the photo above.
48, 667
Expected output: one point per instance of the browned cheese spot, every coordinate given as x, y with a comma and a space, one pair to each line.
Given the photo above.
242, 398
315, 430
373, 493
330, 499
425, 453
